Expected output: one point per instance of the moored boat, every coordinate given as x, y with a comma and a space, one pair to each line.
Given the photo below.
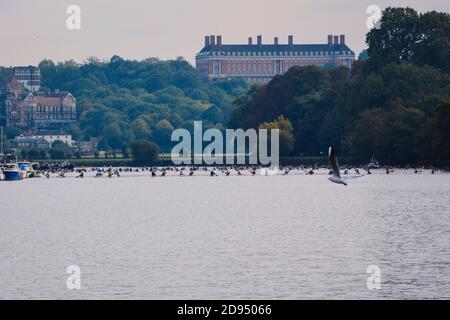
26, 169
12, 172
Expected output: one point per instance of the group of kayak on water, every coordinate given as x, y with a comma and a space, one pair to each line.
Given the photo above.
180, 171
211, 171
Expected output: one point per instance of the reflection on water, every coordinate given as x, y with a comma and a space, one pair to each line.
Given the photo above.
291, 237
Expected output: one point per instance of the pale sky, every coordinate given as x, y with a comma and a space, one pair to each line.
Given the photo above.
31, 30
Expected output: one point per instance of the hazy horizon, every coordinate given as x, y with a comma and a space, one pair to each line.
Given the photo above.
138, 29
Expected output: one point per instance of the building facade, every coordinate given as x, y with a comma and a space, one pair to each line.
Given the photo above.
23, 142
259, 62
41, 111
42, 140
29, 77
54, 136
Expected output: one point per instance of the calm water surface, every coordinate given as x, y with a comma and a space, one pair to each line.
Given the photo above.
278, 237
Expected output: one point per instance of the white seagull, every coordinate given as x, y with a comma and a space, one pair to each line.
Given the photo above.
336, 177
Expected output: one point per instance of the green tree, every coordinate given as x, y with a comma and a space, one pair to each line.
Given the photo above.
368, 136
43, 154
434, 46
122, 91
395, 40
125, 151
12, 132
162, 133
141, 129
113, 136
287, 139
363, 56
5, 77
33, 154
439, 133
144, 152
407, 36
61, 150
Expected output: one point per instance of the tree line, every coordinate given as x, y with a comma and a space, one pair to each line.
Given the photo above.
121, 100
125, 100
393, 105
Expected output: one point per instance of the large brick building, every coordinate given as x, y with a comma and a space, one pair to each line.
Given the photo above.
259, 63
35, 111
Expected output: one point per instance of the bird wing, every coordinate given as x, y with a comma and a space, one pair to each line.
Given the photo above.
333, 162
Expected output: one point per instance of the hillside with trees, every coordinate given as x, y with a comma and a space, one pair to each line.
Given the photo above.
123, 100
393, 105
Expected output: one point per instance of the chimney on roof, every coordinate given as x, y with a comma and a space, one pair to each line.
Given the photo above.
219, 40
206, 41
336, 39
330, 39
291, 40
259, 40
212, 40
275, 41
342, 39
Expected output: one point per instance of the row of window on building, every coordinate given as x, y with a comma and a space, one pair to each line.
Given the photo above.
53, 116
267, 68
55, 109
26, 72
244, 63
288, 53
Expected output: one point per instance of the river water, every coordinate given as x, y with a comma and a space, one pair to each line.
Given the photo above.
201, 237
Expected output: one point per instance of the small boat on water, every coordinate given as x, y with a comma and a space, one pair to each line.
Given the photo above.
27, 169
373, 164
12, 172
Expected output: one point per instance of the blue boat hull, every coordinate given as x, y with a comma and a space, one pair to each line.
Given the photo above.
12, 175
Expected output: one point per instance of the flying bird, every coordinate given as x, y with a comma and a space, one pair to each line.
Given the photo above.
336, 175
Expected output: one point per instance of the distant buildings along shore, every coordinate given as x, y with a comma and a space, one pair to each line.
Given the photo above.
42, 116
29, 77
41, 110
259, 62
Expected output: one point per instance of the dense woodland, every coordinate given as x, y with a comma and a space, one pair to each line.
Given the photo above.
123, 100
394, 104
